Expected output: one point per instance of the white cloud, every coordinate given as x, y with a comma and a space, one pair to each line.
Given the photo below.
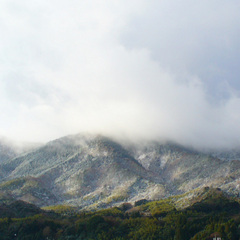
116, 67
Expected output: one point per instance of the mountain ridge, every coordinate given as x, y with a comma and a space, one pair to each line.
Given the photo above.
92, 171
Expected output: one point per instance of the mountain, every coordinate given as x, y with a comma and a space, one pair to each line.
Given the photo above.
184, 169
6, 151
92, 171
80, 170
227, 155
10, 149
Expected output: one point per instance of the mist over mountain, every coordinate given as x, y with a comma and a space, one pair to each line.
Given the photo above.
120, 116
151, 70
94, 171
153, 84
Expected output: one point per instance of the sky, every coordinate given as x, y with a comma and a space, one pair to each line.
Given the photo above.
140, 69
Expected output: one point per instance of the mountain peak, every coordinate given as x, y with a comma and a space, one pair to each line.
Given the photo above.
96, 171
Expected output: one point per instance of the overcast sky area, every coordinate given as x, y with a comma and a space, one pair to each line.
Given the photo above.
154, 69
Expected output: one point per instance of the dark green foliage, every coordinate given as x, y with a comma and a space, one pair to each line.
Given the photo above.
125, 206
115, 212
140, 202
19, 209
216, 204
150, 221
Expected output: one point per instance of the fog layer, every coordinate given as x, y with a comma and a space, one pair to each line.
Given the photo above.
163, 70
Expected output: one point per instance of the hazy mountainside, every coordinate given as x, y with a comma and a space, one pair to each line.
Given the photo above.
227, 155
10, 149
28, 189
182, 169
6, 151
81, 170
95, 171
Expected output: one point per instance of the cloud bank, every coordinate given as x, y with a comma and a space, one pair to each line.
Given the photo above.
139, 69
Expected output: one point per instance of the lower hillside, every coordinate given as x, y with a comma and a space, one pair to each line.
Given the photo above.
200, 214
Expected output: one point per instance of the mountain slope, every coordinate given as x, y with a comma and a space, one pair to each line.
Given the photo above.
6, 151
95, 171
84, 170
183, 169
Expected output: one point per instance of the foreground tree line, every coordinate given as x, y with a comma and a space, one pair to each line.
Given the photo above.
216, 214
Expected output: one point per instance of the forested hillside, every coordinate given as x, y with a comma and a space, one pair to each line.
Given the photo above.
210, 213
